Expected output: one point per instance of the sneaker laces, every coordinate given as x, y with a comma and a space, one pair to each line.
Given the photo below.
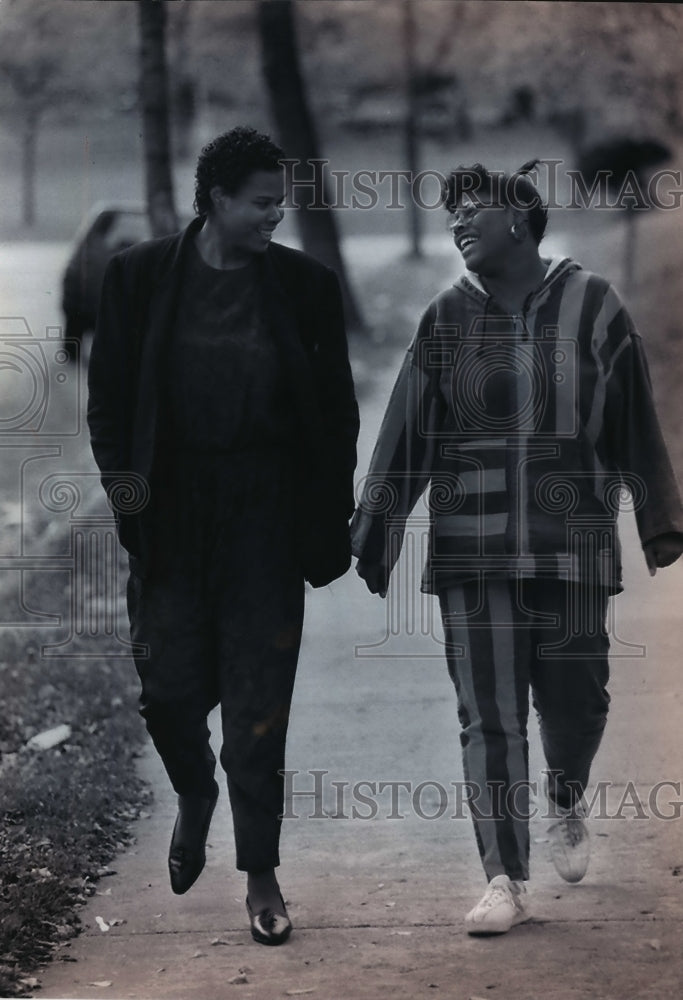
498, 894
494, 895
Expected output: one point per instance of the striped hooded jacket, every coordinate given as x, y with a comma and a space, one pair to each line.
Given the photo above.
529, 430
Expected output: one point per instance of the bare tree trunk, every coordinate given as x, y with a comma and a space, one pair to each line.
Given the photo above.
630, 244
154, 99
29, 141
297, 133
183, 82
411, 138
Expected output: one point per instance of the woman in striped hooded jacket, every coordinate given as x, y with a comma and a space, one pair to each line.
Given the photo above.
524, 402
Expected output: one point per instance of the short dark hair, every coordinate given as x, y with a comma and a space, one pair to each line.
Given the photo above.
498, 189
229, 159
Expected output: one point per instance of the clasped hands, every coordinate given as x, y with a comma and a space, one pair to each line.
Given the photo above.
376, 576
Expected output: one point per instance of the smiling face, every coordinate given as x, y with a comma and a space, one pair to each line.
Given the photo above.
247, 219
482, 234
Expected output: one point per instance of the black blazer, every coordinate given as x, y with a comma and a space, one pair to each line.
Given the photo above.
305, 316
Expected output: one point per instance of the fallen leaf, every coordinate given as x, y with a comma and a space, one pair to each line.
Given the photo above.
49, 738
101, 983
102, 924
162, 969
219, 941
199, 954
236, 980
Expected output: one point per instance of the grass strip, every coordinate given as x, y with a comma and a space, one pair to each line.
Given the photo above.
64, 812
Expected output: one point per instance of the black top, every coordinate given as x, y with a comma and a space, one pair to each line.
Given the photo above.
224, 386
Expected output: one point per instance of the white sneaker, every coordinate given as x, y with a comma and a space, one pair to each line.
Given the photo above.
570, 847
503, 905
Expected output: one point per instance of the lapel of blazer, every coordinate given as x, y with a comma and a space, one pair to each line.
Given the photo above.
157, 303
284, 327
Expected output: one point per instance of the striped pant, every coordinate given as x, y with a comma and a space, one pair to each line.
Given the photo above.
505, 637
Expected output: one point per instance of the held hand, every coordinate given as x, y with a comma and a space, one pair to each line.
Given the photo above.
375, 576
663, 550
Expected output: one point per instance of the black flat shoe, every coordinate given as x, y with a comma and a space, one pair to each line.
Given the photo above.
268, 927
187, 853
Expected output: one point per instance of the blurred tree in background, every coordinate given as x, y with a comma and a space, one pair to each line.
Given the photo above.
55, 62
155, 113
35, 74
411, 119
298, 134
43, 64
183, 81
590, 71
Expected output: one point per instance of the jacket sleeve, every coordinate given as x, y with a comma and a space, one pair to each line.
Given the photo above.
107, 382
336, 396
111, 398
403, 458
636, 440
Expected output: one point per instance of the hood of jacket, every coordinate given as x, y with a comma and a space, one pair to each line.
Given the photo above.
558, 270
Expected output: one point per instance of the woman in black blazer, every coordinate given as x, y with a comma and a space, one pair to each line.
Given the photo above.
220, 392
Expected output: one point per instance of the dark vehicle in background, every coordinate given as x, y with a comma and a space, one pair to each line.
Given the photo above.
106, 229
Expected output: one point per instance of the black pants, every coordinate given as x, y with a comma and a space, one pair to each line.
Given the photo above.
221, 614
503, 638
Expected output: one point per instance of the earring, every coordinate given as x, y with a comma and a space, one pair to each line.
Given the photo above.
515, 233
